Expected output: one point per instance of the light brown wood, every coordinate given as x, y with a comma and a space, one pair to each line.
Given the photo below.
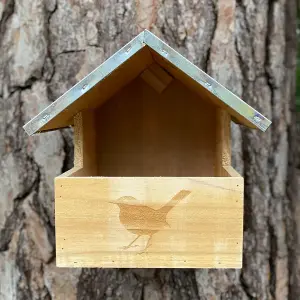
78, 140
76, 172
229, 171
144, 133
223, 141
85, 155
156, 77
149, 222
73, 172
202, 92
104, 89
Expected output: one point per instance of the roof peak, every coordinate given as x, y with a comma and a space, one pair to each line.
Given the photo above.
50, 118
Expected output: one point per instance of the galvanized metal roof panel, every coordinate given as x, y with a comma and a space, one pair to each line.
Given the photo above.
86, 84
226, 96
243, 112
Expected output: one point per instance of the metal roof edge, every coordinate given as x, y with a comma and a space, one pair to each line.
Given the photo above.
226, 96
84, 85
127, 51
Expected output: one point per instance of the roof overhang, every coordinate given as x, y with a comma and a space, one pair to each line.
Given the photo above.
124, 66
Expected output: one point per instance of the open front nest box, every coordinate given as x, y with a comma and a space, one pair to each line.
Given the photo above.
152, 183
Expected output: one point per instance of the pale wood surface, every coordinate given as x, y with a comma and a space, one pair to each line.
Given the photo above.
141, 132
85, 155
168, 222
198, 89
156, 77
229, 171
223, 141
78, 140
73, 172
104, 89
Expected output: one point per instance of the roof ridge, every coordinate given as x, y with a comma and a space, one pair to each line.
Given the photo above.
236, 106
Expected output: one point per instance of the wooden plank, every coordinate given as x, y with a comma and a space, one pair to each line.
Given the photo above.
229, 171
78, 140
160, 73
156, 77
145, 133
153, 81
105, 89
149, 222
74, 172
198, 89
85, 142
223, 141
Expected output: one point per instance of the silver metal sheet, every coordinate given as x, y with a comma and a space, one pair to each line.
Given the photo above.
105, 69
206, 81
101, 72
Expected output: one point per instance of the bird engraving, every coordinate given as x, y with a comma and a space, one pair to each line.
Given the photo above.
143, 220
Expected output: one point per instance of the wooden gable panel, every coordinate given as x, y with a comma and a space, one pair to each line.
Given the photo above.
141, 132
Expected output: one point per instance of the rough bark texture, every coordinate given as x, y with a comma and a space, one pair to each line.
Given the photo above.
47, 46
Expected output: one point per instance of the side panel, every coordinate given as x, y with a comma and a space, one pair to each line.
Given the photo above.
85, 142
223, 141
149, 222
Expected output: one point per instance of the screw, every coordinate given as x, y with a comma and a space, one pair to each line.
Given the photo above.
257, 119
46, 117
164, 52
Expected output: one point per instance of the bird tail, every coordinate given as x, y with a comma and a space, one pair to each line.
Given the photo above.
178, 197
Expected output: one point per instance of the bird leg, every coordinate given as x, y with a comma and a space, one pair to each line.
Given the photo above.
147, 246
127, 247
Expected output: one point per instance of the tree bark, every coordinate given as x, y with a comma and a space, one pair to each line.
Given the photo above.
248, 46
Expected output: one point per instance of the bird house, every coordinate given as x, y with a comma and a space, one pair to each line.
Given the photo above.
152, 183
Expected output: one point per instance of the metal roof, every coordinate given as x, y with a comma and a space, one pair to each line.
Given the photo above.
58, 113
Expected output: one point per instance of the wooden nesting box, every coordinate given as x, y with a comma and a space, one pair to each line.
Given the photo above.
152, 183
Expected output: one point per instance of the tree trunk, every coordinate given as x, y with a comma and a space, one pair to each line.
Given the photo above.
248, 46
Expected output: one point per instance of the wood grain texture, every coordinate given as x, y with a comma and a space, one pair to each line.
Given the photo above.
196, 88
145, 133
156, 77
85, 135
105, 89
223, 141
229, 171
78, 140
75, 172
149, 222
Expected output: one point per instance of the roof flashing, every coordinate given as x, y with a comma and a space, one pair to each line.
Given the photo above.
240, 110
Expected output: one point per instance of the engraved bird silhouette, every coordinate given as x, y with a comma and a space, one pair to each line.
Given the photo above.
143, 220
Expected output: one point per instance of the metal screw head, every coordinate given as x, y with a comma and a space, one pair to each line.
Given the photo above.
45, 118
164, 52
84, 87
257, 119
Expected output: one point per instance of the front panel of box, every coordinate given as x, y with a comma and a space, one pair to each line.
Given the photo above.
149, 222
